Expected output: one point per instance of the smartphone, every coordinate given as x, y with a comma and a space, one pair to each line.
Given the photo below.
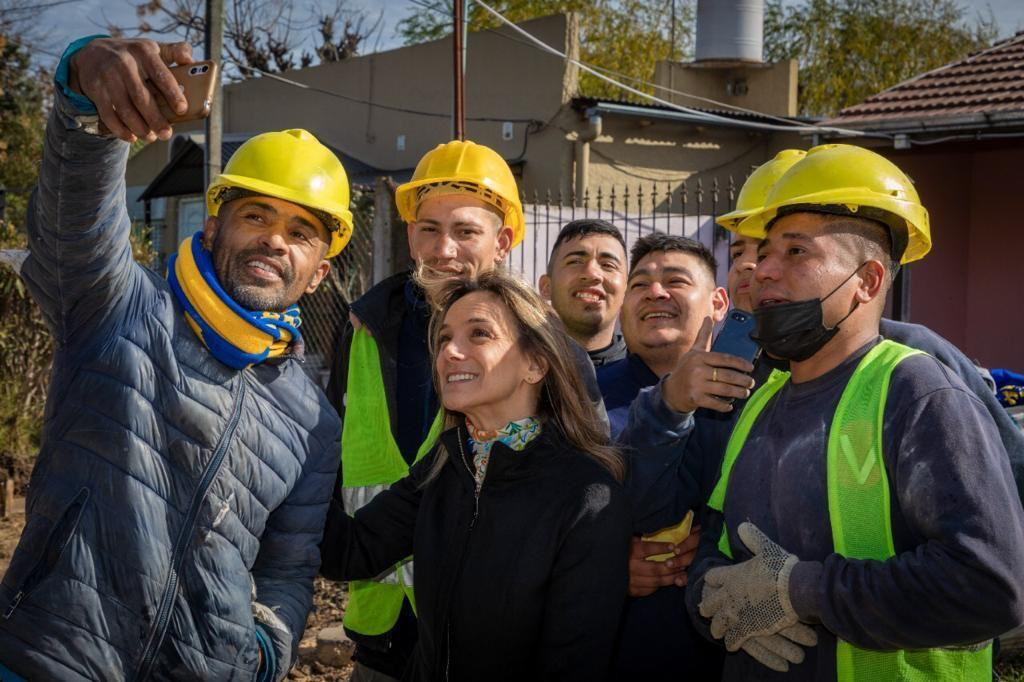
734, 338
197, 82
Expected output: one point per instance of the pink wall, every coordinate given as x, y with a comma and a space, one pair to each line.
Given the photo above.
995, 314
938, 291
970, 288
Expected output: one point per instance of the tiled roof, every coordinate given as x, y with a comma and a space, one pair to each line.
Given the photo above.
986, 82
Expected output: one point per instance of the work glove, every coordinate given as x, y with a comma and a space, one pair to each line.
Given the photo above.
779, 650
750, 598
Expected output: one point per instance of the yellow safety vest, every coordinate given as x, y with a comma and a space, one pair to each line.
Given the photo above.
370, 463
859, 512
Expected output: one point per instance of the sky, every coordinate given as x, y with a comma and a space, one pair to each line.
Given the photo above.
64, 23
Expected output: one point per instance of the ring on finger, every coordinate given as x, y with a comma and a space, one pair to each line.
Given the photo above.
714, 374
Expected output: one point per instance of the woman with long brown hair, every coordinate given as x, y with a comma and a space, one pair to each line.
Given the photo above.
517, 521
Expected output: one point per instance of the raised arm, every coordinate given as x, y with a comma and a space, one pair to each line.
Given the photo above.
80, 268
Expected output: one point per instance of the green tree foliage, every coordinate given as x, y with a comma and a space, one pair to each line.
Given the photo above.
849, 50
26, 351
21, 124
624, 36
26, 345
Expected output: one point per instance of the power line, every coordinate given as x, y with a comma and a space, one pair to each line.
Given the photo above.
619, 74
634, 79
387, 107
707, 116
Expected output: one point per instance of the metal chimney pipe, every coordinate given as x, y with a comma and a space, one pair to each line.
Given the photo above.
730, 30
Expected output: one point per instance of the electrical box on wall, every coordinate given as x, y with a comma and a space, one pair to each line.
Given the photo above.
400, 143
507, 130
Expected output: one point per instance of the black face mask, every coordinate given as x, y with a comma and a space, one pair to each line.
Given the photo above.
796, 331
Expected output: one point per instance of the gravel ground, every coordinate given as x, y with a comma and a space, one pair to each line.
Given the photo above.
329, 602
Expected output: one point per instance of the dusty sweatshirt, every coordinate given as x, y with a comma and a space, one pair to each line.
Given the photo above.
957, 521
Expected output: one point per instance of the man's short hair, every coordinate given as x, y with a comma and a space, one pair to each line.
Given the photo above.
868, 240
577, 229
659, 241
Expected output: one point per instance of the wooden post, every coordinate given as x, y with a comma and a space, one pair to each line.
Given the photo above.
459, 36
8, 502
213, 49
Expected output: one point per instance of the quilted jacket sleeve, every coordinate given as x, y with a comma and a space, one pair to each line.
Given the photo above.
289, 556
80, 269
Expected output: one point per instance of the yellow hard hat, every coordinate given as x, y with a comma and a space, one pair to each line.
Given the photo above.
291, 165
844, 179
465, 168
755, 189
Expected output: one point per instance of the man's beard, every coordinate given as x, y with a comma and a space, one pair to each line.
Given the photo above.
586, 326
253, 295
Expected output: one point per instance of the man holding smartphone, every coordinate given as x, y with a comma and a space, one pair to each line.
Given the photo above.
175, 509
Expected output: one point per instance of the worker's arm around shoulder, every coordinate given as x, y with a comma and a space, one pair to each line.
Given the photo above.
81, 268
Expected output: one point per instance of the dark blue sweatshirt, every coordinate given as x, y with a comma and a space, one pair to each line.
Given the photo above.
620, 382
666, 478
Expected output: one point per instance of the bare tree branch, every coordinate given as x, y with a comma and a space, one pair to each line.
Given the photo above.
263, 34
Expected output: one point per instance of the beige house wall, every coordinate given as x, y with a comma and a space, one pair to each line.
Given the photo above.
638, 153
766, 88
506, 81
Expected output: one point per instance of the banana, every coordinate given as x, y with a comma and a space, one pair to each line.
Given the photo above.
674, 534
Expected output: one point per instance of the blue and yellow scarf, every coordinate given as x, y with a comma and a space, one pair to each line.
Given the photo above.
237, 337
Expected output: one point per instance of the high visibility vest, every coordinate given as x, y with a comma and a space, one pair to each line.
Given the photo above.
370, 463
859, 512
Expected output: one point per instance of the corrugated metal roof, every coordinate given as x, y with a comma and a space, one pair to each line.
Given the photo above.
987, 82
584, 103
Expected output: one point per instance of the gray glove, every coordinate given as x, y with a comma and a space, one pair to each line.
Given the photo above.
779, 650
750, 598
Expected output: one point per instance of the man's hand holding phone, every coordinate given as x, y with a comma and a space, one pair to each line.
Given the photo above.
704, 378
113, 72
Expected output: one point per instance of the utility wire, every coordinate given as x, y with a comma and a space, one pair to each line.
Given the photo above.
709, 117
618, 74
387, 107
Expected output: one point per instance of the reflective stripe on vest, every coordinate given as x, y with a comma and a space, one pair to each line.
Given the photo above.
371, 461
859, 512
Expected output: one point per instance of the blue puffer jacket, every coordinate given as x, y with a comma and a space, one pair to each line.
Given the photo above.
173, 497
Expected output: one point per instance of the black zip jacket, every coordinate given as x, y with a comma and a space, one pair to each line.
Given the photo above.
382, 311
524, 582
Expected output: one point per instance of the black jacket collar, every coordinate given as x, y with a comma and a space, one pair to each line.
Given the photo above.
505, 463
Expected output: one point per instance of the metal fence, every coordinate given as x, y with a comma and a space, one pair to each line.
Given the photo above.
324, 311
687, 209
